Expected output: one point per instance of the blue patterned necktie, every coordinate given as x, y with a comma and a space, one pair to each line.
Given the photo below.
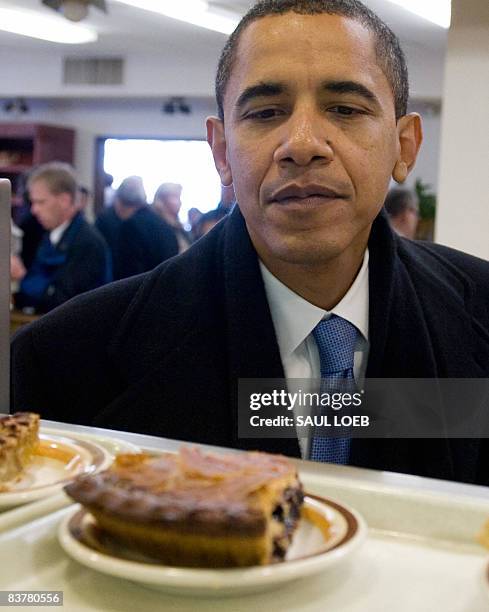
335, 338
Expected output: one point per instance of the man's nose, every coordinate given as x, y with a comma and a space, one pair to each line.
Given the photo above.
305, 140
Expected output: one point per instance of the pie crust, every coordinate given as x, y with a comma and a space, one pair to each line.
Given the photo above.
19, 440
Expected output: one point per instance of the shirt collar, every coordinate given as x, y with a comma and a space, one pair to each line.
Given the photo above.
294, 318
56, 234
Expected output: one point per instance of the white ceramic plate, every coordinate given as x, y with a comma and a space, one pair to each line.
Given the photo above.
328, 534
58, 460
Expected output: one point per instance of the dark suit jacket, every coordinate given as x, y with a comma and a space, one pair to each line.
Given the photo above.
85, 266
108, 223
161, 353
144, 241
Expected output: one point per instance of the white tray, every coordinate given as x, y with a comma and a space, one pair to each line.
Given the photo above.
420, 556
11, 518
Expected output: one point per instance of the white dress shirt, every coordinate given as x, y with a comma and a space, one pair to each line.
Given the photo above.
294, 319
56, 234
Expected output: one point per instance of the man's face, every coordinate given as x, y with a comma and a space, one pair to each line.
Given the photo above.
173, 203
411, 218
309, 138
51, 210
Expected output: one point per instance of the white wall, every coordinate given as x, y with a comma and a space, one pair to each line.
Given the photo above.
463, 211
38, 73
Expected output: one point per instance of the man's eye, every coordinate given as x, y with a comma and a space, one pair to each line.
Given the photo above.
346, 111
266, 113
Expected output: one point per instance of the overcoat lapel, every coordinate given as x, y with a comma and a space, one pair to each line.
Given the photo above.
251, 341
408, 341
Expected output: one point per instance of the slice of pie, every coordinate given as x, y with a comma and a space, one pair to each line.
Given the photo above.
197, 509
19, 439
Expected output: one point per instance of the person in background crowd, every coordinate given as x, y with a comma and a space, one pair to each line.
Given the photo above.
143, 239
403, 210
109, 191
207, 221
72, 258
228, 199
194, 214
84, 200
167, 204
108, 223
17, 268
33, 232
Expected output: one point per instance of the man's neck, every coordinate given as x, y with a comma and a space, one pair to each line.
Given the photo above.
68, 218
323, 284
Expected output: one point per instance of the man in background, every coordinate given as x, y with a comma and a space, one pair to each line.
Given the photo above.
72, 258
142, 239
84, 201
402, 207
167, 203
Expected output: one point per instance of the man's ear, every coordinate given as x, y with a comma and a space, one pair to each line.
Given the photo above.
217, 142
66, 200
410, 135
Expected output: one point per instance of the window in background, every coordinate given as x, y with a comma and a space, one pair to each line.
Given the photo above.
188, 162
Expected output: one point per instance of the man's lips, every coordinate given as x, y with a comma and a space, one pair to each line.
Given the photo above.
293, 193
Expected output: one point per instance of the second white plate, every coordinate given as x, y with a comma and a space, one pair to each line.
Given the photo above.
59, 459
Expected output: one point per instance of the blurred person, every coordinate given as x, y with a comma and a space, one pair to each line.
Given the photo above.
84, 199
17, 268
143, 240
207, 221
310, 135
109, 191
17, 271
167, 203
32, 231
72, 257
194, 214
403, 210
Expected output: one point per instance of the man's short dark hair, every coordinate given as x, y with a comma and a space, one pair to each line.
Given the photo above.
387, 47
399, 200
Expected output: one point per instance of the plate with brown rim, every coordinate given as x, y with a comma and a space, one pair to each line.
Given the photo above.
328, 534
57, 460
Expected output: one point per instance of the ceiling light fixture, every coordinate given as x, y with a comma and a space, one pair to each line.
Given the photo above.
75, 10
176, 104
196, 12
53, 29
438, 12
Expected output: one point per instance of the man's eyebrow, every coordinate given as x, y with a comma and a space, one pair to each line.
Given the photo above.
260, 90
350, 87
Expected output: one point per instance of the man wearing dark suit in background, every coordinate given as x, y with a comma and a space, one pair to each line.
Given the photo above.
142, 240
312, 124
73, 257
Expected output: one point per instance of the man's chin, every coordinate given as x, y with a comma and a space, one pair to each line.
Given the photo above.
306, 254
